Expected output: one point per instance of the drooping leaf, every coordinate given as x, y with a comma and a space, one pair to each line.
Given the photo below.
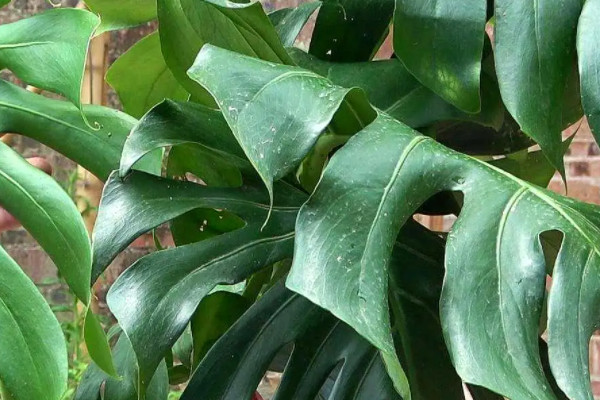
142, 79
33, 355
154, 309
187, 25
391, 87
59, 125
237, 362
346, 231
172, 123
97, 344
49, 214
213, 317
316, 99
49, 50
426, 34
119, 14
123, 388
289, 22
534, 48
4, 2
351, 30
122, 216
589, 63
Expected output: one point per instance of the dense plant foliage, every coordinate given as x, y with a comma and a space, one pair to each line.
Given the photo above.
289, 180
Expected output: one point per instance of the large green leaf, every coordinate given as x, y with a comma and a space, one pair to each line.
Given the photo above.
123, 216
504, 272
171, 123
346, 231
124, 387
49, 214
119, 14
236, 364
59, 125
350, 30
426, 34
49, 50
164, 288
391, 87
33, 355
268, 140
187, 25
142, 79
289, 22
534, 48
589, 63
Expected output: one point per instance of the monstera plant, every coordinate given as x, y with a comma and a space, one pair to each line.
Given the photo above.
288, 178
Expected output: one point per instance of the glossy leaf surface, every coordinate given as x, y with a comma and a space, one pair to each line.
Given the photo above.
172, 123
350, 30
50, 216
57, 39
187, 25
119, 14
426, 34
534, 48
346, 231
268, 141
33, 355
142, 79
589, 63
59, 125
182, 276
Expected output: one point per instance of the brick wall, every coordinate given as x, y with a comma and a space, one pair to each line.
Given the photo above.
583, 173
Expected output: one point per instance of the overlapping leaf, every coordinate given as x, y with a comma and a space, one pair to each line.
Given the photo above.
391, 87
316, 98
181, 277
426, 34
589, 63
187, 25
237, 362
534, 51
58, 125
118, 14
49, 50
142, 79
346, 231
